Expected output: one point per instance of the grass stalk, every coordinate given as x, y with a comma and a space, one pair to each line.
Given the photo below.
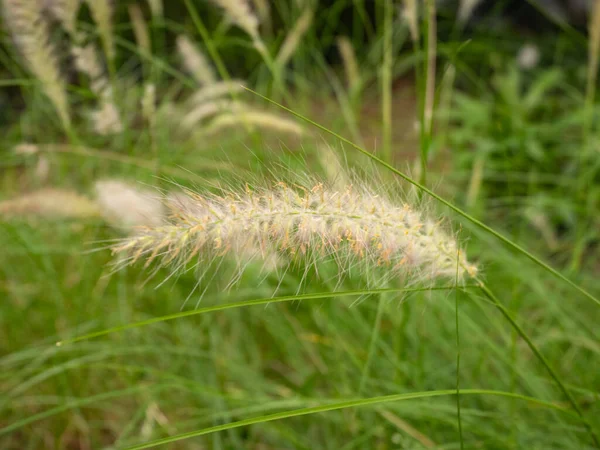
508, 316
340, 406
386, 81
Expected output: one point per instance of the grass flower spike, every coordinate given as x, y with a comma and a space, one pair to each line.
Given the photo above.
351, 226
25, 20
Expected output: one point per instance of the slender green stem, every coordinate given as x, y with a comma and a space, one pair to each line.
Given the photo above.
262, 301
386, 81
445, 202
338, 406
490, 295
372, 343
458, 417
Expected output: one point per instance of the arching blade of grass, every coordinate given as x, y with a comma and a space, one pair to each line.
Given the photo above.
261, 301
490, 295
442, 200
342, 405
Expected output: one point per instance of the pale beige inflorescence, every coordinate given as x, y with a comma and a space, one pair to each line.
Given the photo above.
352, 225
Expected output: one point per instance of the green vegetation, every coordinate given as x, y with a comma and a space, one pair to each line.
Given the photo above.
438, 114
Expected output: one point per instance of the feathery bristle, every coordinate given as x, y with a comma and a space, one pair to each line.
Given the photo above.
206, 110
102, 11
290, 44
194, 61
29, 29
354, 224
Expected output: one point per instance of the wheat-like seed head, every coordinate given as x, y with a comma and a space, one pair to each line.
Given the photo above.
140, 28
29, 29
52, 203
350, 62
125, 206
410, 12
253, 118
204, 111
156, 8
240, 13
195, 62
351, 225
106, 119
216, 90
66, 12
102, 11
290, 44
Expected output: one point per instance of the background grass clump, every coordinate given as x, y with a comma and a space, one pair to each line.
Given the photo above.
492, 108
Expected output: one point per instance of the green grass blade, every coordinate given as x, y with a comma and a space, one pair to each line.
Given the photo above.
342, 405
489, 294
442, 200
261, 301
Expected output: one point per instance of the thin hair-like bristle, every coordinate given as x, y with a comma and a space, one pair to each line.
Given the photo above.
29, 29
311, 222
195, 62
293, 38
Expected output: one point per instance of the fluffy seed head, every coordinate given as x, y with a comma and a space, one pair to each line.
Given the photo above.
127, 206
195, 62
290, 44
351, 226
240, 13
29, 29
50, 203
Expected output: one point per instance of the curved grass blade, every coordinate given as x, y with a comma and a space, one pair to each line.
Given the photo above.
508, 316
442, 200
261, 301
343, 405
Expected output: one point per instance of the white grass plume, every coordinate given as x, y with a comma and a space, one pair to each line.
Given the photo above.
65, 11
50, 203
140, 28
355, 225
350, 63
293, 38
240, 13
253, 118
102, 11
410, 13
195, 62
216, 91
124, 205
29, 29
